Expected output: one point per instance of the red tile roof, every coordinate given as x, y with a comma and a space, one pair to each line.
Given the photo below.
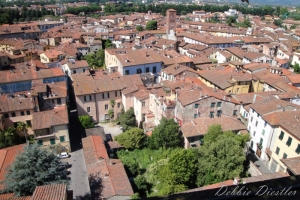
7, 157
46, 192
111, 171
200, 125
47, 119
10, 196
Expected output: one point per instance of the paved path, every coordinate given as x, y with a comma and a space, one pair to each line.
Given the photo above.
259, 164
114, 130
79, 176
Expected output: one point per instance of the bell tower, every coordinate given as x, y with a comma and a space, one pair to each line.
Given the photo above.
171, 19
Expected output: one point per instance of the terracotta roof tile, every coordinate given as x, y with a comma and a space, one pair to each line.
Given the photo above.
200, 125
46, 192
293, 164
47, 119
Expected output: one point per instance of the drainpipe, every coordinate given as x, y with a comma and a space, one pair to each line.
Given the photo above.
97, 111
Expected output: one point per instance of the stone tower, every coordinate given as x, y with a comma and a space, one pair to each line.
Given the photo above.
171, 20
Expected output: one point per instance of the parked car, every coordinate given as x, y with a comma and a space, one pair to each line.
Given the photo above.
63, 155
65, 164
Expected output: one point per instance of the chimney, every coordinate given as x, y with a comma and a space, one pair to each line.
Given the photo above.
254, 98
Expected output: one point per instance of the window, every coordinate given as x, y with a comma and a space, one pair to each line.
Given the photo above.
154, 70
234, 112
88, 109
88, 98
52, 141
126, 72
106, 106
107, 94
116, 93
103, 96
219, 104
6, 115
59, 101
195, 116
196, 105
261, 141
219, 113
22, 113
256, 123
119, 105
28, 112
212, 105
143, 103
284, 156
237, 90
13, 114
265, 124
254, 133
40, 142
62, 138
83, 70
138, 71
289, 141
52, 100
28, 122
211, 115
298, 149
74, 71
281, 135
263, 132
251, 119
147, 69
277, 150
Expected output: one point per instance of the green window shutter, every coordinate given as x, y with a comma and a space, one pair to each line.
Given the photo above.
196, 105
195, 116
281, 135
52, 141
219, 104
212, 105
298, 149
40, 142
289, 141
263, 132
261, 141
62, 138
277, 150
211, 115
284, 156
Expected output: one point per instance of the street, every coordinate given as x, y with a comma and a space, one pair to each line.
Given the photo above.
79, 176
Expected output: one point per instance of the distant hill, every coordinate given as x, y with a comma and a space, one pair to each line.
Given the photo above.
272, 2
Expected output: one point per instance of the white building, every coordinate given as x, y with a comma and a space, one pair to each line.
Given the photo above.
260, 131
231, 12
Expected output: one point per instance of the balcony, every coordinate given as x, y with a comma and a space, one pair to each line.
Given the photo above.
43, 133
242, 119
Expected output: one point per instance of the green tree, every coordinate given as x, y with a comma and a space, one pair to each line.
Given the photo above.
293, 26
9, 137
151, 25
35, 166
139, 28
127, 119
212, 133
22, 128
132, 138
231, 20
111, 113
96, 59
296, 68
174, 174
166, 135
108, 44
277, 22
183, 12
221, 159
86, 121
